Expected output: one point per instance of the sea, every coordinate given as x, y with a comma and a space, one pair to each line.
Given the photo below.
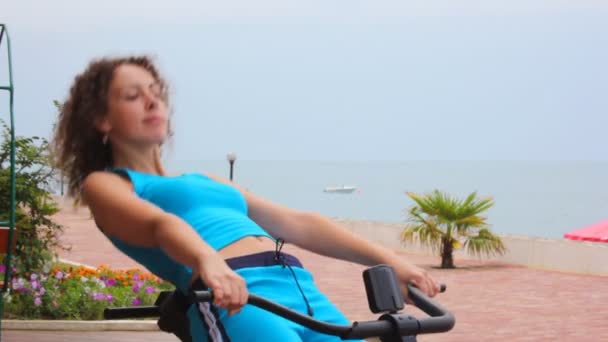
534, 198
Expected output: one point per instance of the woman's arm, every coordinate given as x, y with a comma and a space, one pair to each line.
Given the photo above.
123, 215
321, 235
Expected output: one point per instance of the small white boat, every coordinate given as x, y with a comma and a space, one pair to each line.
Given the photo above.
344, 189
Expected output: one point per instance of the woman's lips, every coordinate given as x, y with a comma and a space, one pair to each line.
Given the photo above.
154, 120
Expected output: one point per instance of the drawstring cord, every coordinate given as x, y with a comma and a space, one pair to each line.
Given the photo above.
280, 258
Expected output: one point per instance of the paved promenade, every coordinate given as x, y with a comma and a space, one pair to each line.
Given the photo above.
491, 301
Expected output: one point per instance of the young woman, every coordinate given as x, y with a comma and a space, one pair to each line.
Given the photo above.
196, 227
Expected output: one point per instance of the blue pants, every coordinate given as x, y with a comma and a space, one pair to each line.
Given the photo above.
275, 282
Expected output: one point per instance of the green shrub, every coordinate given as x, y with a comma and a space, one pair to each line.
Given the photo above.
37, 234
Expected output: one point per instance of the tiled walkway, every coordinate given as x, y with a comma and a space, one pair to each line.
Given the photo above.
491, 302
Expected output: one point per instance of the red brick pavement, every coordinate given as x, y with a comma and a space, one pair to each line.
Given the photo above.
491, 301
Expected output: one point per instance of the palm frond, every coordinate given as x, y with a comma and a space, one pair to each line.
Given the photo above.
485, 243
425, 234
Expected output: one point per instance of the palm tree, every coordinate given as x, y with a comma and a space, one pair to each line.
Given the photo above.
445, 223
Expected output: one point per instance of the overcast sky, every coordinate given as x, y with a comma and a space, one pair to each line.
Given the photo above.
338, 80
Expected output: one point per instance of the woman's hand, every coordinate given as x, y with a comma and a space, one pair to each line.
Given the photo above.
229, 288
408, 273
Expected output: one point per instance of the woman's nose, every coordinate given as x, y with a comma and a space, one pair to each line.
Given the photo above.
151, 104
151, 101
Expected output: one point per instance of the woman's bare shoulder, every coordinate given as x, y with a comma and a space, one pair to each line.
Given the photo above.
102, 181
117, 209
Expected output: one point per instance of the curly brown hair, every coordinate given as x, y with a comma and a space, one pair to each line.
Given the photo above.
77, 145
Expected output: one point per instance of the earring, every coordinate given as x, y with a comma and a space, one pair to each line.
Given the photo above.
104, 139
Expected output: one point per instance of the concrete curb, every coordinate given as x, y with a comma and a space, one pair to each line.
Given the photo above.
70, 262
88, 326
67, 325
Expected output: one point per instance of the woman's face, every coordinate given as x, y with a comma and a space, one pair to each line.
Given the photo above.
137, 113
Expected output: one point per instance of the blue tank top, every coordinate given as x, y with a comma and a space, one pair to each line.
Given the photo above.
216, 211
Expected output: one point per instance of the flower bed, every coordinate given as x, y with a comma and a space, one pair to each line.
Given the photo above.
79, 293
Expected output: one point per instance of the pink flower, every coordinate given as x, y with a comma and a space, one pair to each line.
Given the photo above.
136, 302
110, 282
137, 286
59, 275
109, 297
150, 289
2, 268
98, 296
18, 283
37, 301
33, 277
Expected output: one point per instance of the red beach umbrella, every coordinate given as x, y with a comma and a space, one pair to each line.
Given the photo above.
597, 232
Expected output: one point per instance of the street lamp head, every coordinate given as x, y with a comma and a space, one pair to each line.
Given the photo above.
231, 157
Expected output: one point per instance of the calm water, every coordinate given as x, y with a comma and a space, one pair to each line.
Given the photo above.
544, 199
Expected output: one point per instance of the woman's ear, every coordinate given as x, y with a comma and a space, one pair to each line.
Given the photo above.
103, 125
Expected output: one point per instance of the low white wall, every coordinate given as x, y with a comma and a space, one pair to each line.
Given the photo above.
551, 254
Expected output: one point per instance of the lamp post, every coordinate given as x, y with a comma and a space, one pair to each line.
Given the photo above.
231, 158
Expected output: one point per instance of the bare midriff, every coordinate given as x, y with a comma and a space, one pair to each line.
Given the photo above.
244, 246
247, 245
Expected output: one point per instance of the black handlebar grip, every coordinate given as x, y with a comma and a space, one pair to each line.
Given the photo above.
201, 296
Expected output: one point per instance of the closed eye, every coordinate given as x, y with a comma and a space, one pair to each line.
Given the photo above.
132, 97
156, 89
